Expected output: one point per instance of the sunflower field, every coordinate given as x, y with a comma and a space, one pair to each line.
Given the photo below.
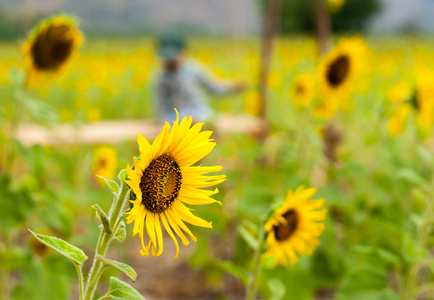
329, 195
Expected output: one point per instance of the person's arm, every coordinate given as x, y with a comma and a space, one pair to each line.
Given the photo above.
161, 97
214, 85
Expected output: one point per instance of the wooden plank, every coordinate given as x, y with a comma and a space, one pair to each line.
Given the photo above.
104, 132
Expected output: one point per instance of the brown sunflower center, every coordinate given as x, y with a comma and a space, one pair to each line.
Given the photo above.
160, 183
52, 49
285, 231
300, 90
100, 164
338, 70
414, 101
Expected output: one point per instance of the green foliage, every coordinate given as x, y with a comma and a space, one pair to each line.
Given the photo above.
10, 27
119, 290
354, 16
365, 282
233, 269
113, 186
74, 254
121, 233
277, 289
124, 268
103, 217
36, 273
17, 203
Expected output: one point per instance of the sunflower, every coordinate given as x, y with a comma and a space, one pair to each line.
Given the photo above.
51, 45
423, 101
399, 92
338, 69
252, 103
104, 163
295, 227
164, 180
396, 123
303, 90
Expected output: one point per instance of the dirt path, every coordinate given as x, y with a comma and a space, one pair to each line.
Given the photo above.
114, 131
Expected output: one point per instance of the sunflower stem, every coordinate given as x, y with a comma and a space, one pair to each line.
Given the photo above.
256, 266
80, 281
4, 278
423, 234
104, 242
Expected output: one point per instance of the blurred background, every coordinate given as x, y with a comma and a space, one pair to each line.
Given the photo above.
242, 17
370, 160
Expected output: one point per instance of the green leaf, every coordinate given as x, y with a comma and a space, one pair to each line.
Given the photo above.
362, 280
233, 269
74, 254
126, 269
410, 175
17, 203
277, 288
17, 76
103, 217
248, 237
425, 154
113, 186
121, 233
122, 175
119, 290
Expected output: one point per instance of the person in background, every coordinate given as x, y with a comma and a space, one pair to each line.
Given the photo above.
182, 81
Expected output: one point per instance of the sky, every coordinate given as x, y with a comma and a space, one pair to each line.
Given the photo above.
398, 13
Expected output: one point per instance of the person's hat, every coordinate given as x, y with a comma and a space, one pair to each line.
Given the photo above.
170, 44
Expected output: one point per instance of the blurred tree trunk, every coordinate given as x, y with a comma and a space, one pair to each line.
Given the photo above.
271, 23
323, 26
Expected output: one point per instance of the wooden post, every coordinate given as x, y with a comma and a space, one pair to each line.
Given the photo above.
323, 27
271, 23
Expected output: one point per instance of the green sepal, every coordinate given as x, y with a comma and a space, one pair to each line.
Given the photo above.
103, 217
113, 186
119, 290
124, 268
74, 254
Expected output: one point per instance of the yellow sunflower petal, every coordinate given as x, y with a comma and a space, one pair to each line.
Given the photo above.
169, 230
159, 235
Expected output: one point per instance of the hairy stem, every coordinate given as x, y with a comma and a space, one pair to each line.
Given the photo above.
4, 278
80, 281
104, 242
420, 242
256, 267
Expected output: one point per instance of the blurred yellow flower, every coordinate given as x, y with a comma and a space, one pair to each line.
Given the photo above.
252, 103
93, 115
50, 46
423, 102
66, 115
295, 227
396, 123
164, 180
399, 92
303, 90
274, 80
105, 163
337, 71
